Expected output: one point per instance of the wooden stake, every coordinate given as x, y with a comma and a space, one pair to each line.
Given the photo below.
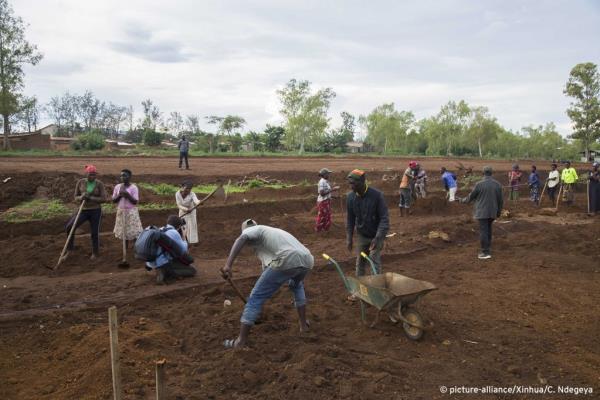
113, 327
558, 198
542, 195
161, 389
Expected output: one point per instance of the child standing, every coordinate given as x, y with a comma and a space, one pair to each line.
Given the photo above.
514, 179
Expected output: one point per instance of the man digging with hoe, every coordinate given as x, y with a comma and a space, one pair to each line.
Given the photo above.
284, 260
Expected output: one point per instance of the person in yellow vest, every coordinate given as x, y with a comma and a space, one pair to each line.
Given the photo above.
568, 177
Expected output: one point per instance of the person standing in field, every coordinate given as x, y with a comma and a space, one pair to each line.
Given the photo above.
368, 213
534, 185
450, 185
284, 261
91, 191
569, 178
514, 179
421, 184
406, 185
126, 196
594, 194
553, 181
324, 189
487, 195
184, 146
186, 201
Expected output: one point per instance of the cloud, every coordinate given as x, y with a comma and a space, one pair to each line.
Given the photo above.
150, 46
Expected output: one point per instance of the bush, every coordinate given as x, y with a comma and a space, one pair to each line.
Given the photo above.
152, 138
89, 141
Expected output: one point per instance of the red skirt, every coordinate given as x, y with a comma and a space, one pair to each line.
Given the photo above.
323, 222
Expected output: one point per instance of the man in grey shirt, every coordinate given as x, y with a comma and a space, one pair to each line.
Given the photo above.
487, 195
184, 148
284, 259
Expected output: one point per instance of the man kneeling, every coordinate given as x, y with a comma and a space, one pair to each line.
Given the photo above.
284, 259
172, 257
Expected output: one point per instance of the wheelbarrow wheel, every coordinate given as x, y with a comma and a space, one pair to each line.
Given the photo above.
414, 317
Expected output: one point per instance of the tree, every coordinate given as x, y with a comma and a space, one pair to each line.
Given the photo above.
89, 109
273, 136
15, 53
305, 113
175, 122
231, 123
255, 140
29, 114
387, 128
584, 87
151, 115
482, 128
192, 124
129, 114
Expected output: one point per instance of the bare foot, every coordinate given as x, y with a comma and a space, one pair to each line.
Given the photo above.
304, 328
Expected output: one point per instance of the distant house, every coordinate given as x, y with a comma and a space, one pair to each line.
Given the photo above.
594, 156
355, 147
61, 143
51, 130
28, 141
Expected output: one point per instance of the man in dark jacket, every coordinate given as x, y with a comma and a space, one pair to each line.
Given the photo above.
367, 212
184, 148
487, 195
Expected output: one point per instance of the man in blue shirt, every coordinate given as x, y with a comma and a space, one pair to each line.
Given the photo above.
165, 265
449, 180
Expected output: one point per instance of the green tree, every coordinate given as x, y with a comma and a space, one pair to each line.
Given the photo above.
273, 136
255, 140
231, 123
387, 128
15, 53
152, 138
584, 87
482, 128
305, 112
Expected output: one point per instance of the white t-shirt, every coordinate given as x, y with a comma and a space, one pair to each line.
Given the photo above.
553, 174
324, 185
277, 248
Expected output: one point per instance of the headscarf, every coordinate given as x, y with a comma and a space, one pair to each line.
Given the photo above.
90, 169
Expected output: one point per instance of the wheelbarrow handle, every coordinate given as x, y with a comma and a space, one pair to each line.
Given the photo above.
371, 263
339, 270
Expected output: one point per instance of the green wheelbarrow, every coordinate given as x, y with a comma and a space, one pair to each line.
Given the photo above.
395, 294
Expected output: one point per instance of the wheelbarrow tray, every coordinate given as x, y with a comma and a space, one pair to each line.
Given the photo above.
384, 291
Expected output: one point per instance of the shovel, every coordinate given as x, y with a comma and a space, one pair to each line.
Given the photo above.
64, 250
124, 263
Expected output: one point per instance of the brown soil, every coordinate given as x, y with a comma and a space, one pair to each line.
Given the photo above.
526, 317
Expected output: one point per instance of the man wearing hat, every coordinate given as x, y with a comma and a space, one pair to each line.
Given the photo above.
407, 183
92, 193
284, 260
368, 213
324, 190
487, 195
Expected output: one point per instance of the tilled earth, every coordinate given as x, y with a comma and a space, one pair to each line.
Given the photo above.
528, 316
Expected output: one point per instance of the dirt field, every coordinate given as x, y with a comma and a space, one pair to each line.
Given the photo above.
529, 316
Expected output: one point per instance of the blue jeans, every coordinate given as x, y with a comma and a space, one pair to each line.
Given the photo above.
268, 284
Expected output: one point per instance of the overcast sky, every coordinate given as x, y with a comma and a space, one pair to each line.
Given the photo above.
229, 57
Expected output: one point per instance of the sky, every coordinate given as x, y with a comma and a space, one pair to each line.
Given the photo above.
230, 57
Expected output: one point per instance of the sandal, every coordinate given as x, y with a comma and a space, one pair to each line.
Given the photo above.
230, 343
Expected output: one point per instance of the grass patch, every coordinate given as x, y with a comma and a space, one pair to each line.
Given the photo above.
162, 189
35, 210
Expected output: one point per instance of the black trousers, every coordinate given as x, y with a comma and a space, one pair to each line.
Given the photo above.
552, 193
94, 216
183, 155
485, 234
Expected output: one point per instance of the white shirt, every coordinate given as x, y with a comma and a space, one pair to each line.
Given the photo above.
324, 185
553, 174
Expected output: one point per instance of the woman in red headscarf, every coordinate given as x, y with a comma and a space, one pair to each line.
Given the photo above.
92, 193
